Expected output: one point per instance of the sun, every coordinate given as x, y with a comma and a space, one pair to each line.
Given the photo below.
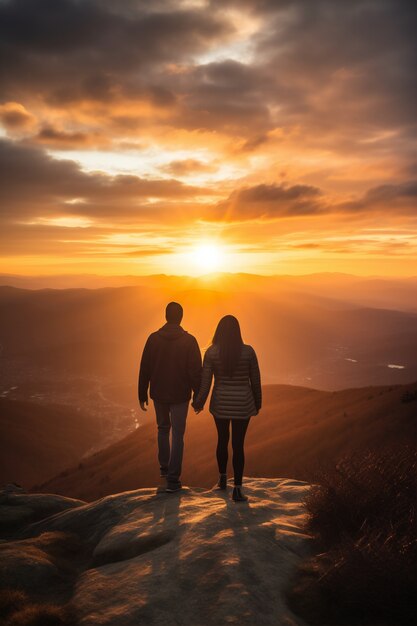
208, 257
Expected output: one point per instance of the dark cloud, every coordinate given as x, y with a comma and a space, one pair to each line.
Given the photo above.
387, 193
70, 50
33, 183
225, 95
397, 198
352, 62
339, 70
65, 140
271, 201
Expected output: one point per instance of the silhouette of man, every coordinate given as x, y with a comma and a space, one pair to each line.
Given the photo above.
171, 366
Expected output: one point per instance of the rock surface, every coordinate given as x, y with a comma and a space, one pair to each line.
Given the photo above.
191, 558
17, 508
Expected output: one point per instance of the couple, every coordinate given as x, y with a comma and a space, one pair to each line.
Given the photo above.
171, 366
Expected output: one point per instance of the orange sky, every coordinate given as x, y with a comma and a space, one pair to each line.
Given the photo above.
181, 137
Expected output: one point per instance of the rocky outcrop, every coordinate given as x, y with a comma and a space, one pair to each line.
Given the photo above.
190, 558
18, 508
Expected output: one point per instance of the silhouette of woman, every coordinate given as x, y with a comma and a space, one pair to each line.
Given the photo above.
236, 397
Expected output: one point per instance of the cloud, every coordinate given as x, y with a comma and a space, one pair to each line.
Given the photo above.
71, 51
398, 198
274, 201
226, 95
64, 140
15, 117
34, 183
144, 252
322, 91
271, 201
358, 55
340, 71
188, 167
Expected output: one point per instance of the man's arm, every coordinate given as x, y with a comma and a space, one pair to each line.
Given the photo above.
144, 375
206, 379
194, 367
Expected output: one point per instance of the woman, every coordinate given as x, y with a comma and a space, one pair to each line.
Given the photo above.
236, 395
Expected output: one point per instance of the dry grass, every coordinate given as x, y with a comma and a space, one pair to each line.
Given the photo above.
11, 600
16, 609
40, 615
363, 516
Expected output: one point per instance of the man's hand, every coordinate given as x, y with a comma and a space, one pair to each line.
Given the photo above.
142, 405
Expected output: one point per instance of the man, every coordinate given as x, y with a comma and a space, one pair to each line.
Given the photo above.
171, 365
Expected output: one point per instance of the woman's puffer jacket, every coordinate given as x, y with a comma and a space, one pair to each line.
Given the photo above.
238, 396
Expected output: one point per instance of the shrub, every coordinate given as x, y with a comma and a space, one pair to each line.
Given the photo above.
16, 609
409, 396
362, 514
11, 600
40, 615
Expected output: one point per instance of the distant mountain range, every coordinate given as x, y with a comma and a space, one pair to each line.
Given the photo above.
307, 331
373, 291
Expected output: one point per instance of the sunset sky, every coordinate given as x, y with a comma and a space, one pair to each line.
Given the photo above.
181, 137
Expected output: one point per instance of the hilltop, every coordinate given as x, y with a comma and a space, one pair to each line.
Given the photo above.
168, 559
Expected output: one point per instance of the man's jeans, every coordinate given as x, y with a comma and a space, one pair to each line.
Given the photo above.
170, 457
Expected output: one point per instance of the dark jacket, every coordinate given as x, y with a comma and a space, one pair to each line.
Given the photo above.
237, 396
171, 364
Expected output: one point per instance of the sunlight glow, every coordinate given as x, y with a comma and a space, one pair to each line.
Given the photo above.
208, 257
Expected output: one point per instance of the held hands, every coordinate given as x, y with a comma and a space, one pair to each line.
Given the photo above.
196, 410
142, 405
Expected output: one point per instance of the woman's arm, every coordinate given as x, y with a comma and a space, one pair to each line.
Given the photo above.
194, 367
255, 380
206, 379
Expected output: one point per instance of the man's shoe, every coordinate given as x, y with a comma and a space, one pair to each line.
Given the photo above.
222, 484
238, 495
173, 488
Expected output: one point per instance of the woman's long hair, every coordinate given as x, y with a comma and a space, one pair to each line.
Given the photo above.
229, 340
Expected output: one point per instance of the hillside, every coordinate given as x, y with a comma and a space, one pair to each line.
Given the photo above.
142, 557
297, 430
38, 440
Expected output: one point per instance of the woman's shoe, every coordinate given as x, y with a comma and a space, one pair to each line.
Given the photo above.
238, 495
222, 484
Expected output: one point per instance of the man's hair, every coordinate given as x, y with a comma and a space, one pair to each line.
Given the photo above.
174, 313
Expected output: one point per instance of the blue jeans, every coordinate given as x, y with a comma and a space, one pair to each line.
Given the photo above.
170, 455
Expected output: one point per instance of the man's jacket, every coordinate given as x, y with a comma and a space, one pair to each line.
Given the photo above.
171, 365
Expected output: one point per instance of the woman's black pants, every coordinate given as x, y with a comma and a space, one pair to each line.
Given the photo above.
239, 427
